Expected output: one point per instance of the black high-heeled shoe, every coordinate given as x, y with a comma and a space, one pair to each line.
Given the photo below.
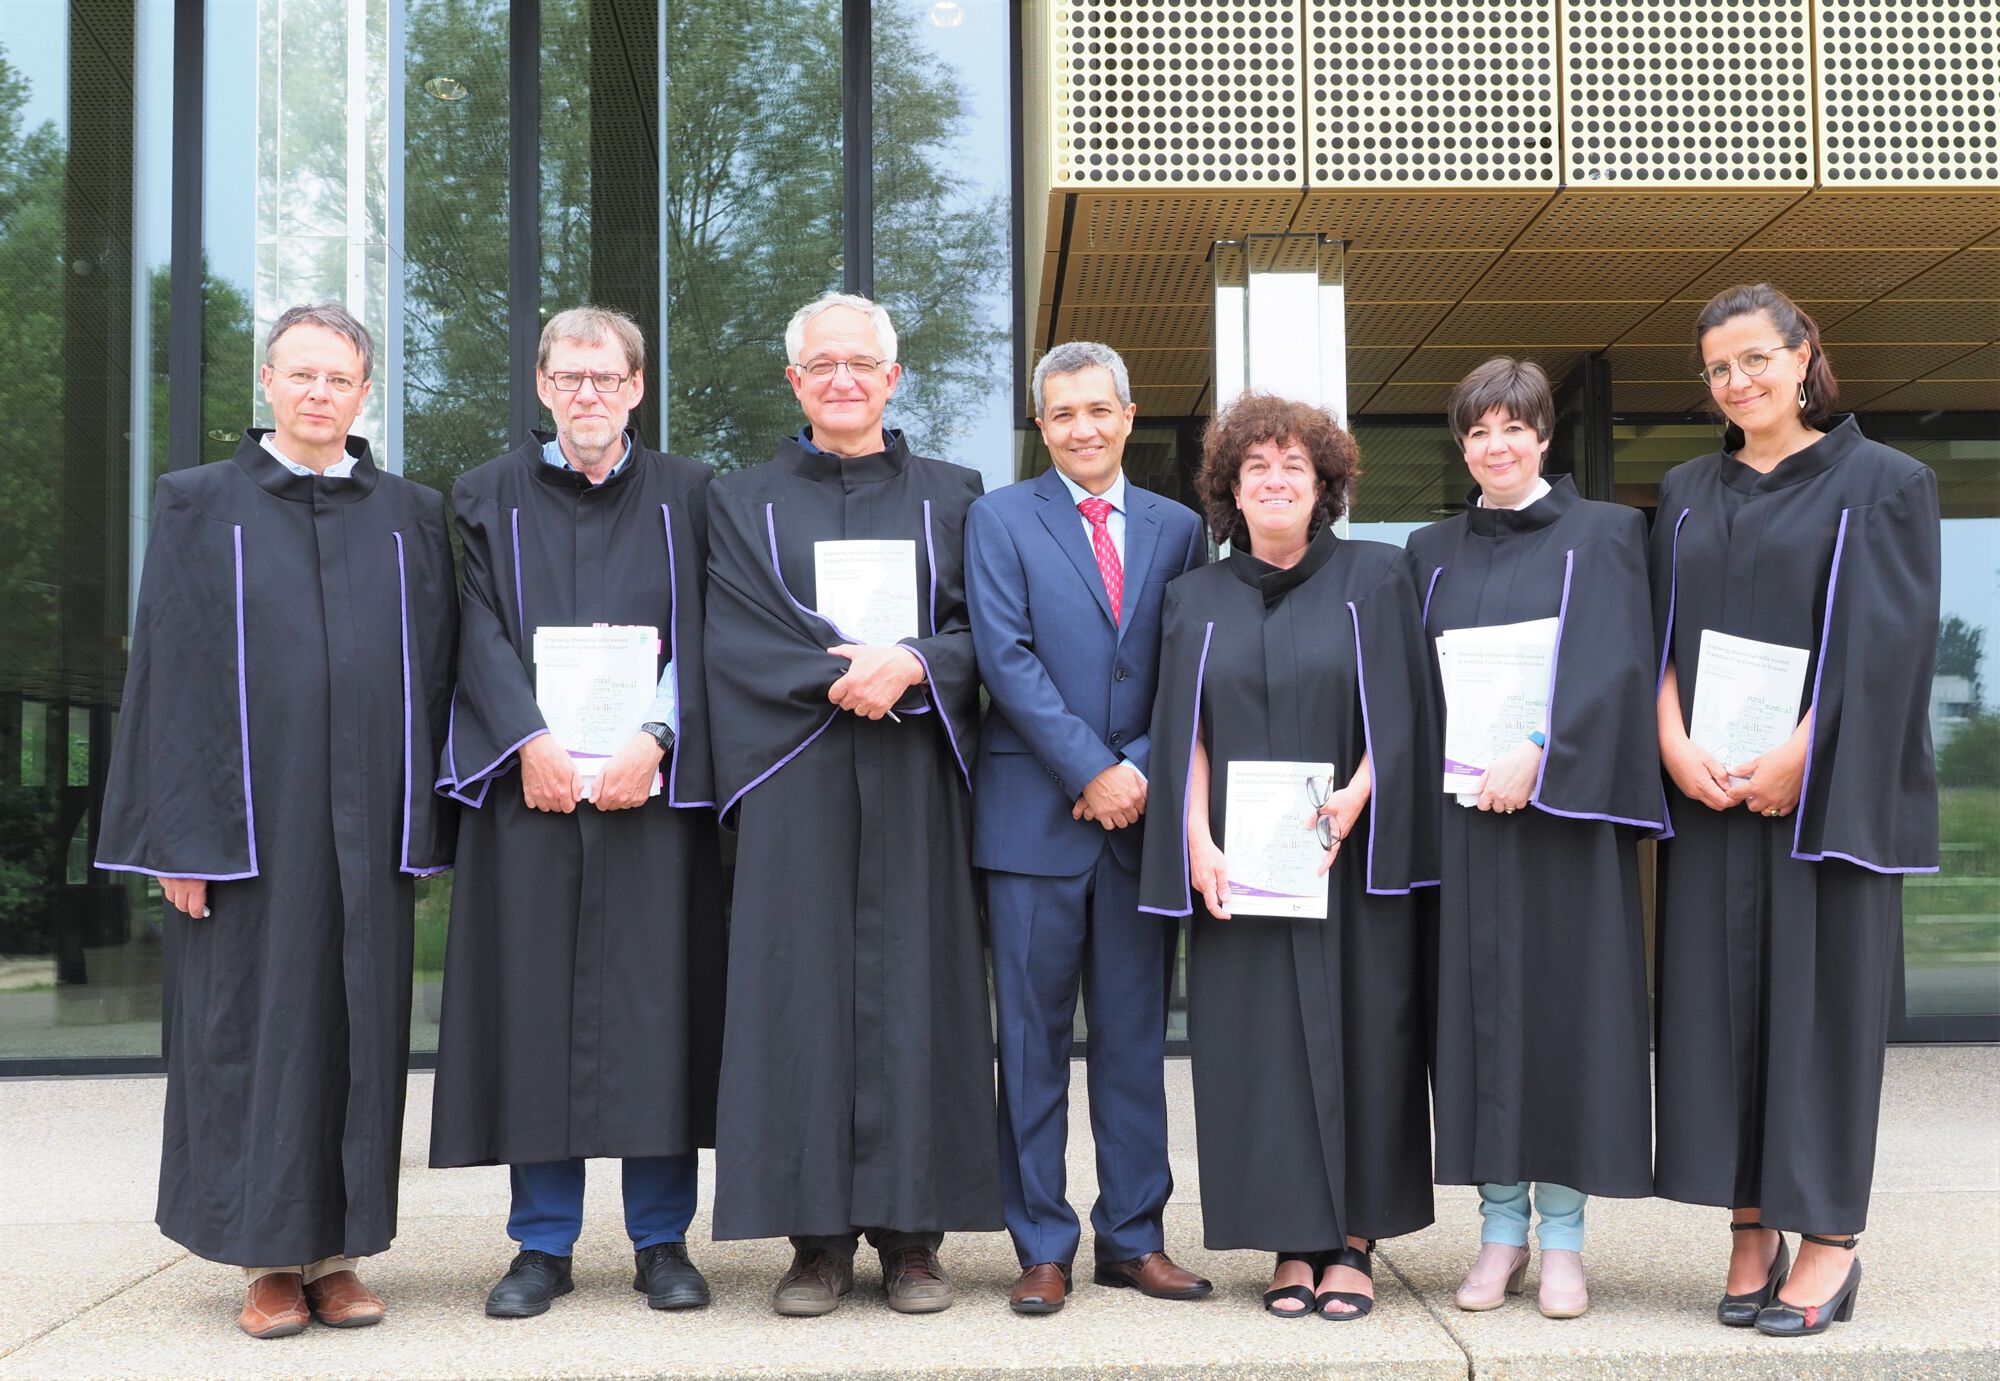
1740, 1311
1362, 1261
1302, 1295
1782, 1320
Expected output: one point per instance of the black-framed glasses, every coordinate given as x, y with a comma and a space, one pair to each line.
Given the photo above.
306, 378
1752, 362
570, 380
1317, 790
859, 367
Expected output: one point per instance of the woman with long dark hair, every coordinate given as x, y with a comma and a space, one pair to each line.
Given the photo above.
1781, 890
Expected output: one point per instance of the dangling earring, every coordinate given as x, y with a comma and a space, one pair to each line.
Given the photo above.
1804, 402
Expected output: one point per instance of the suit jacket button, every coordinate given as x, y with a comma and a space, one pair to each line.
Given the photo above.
1117, 739
1118, 675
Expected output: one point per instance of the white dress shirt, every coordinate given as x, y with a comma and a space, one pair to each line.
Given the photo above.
1114, 521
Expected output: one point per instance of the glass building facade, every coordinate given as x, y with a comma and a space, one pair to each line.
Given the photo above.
173, 173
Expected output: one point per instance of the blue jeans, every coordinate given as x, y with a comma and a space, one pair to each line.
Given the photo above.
547, 1214
1504, 1207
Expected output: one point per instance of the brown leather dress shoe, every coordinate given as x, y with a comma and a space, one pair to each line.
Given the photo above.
340, 1300
1040, 1290
915, 1282
1154, 1275
275, 1306
813, 1284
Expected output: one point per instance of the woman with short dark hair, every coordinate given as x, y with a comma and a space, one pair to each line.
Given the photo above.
1781, 889
1298, 651
1541, 1081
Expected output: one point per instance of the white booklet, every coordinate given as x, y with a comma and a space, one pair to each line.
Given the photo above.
594, 687
1269, 839
1746, 696
1496, 693
868, 588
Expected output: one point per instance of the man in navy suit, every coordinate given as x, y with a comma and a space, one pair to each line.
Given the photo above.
1064, 579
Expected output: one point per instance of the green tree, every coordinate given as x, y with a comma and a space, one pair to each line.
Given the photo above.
1961, 649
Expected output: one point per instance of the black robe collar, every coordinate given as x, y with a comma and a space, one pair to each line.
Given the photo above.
822, 467
569, 477
1822, 455
1275, 582
274, 478
1503, 522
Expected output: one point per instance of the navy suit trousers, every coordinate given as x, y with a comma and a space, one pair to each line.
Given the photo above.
1049, 935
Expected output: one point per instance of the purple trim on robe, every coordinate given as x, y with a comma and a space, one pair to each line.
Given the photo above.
1666, 650
1805, 782
1430, 590
451, 785
520, 604
1187, 783
243, 706
156, 873
1368, 741
771, 771
674, 652
1555, 660
930, 558
943, 718
771, 530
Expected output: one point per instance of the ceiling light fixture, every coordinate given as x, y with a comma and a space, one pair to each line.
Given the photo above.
447, 89
947, 14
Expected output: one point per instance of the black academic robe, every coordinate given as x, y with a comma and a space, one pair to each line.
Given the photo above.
581, 1011
857, 1072
1542, 1063
1779, 939
1311, 1112
290, 673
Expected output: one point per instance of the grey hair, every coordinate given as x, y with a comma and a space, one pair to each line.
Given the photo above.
589, 325
878, 317
331, 316
1073, 357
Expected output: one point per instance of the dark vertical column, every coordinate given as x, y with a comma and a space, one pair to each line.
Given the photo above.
625, 176
184, 309
524, 211
857, 146
1594, 472
1024, 321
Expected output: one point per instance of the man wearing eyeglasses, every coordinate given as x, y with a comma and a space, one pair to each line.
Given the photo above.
857, 1075
287, 692
582, 973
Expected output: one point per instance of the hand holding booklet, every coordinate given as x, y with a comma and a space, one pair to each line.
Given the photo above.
595, 686
1746, 696
1273, 850
1496, 692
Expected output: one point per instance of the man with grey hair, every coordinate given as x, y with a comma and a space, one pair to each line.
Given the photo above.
1065, 576
292, 651
579, 1017
857, 1076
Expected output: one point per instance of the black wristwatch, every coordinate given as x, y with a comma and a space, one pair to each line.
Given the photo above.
663, 734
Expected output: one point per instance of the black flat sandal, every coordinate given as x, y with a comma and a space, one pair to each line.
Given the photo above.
1300, 1294
1740, 1311
1362, 1261
1781, 1320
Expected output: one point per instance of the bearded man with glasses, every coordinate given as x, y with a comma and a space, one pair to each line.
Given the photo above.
287, 693
583, 965
857, 1073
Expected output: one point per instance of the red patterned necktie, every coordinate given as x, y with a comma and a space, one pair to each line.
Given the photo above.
1097, 511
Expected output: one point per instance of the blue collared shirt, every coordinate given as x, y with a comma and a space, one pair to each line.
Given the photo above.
1114, 521
341, 469
805, 440
552, 454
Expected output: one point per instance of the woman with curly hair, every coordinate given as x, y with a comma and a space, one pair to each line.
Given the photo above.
1307, 1035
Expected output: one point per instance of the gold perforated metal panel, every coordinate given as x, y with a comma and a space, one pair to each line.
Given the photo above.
1973, 273
1585, 325
1138, 328
1417, 220
1929, 219
1910, 319
1437, 276
1938, 395
1672, 323
1168, 368
1590, 273
1380, 325
1416, 94
1373, 365
1394, 398
1688, 93
1824, 273
1166, 402
1177, 223
1654, 397
1205, 93
1653, 220
1906, 91
1450, 364
1135, 278
1858, 393
1980, 364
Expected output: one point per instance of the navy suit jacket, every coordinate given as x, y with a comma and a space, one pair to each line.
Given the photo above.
1072, 691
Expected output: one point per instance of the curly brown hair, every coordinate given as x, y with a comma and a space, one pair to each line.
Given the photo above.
1253, 419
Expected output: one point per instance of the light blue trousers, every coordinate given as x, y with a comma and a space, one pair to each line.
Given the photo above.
1504, 1207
